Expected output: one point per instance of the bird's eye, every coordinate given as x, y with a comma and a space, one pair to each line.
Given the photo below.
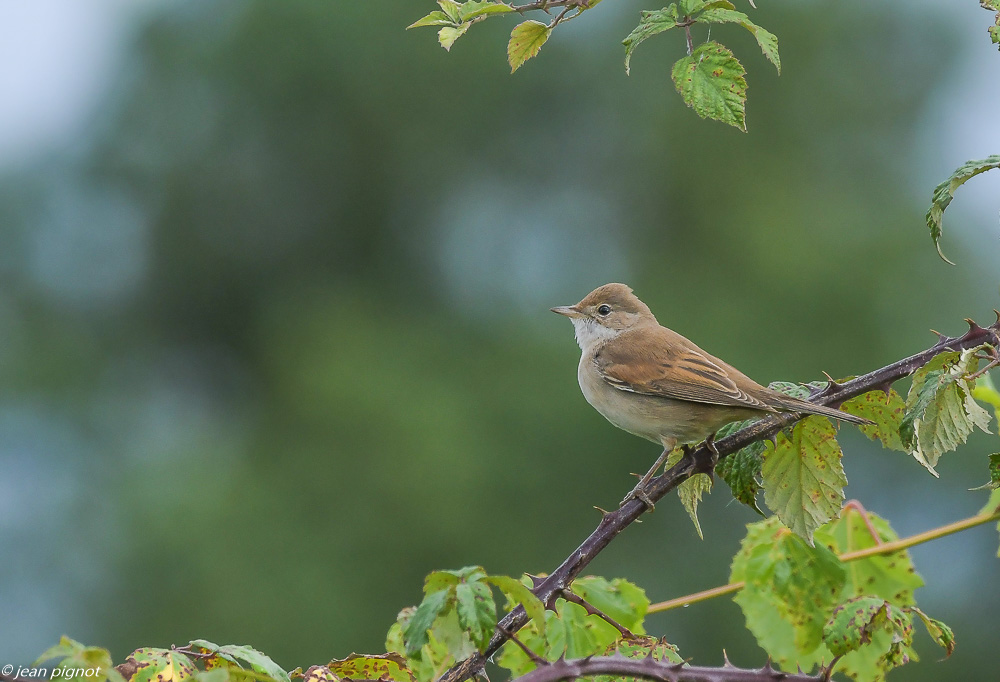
604, 309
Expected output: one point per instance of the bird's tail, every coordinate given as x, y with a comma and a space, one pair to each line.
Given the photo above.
804, 406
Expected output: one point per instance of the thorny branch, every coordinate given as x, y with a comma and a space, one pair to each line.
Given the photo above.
700, 459
650, 669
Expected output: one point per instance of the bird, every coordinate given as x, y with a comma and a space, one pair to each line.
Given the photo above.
654, 383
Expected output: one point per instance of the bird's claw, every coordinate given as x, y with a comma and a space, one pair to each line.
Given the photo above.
639, 493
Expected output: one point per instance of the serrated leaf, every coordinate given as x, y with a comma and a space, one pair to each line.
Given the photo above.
446, 644
440, 580
160, 665
624, 601
571, 632
390, 666
452, 8
942, 635
885, 411
65, 648
658, 650
945, 192
767, 41
435, 18
415, 634
742, 473
855, 622
526, 40
689, 492
940, 410
519, 593
483, 8
258, 661
449, 34
710, 81
803, 476
783, 611
477, 612
73, 654
776, 625
650, 23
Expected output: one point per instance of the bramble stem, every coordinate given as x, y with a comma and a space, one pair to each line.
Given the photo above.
877, 550
615, 522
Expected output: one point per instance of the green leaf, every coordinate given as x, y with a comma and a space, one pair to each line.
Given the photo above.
160, 665
803, 476
435, 18
570, 631
689, 492
993, 6
453, 9
886, 412
526, 40
741, 470
477, 612
650, 23
722, 15
441, 580
942, 635
854, 623
519, 593
940, 410
65, 648
449, 34
945, 192
791, 590
985, 391
624, 601
781, 628
993, 507
641, 647
474, 10
710, 80
446, 644
390, 666
415, 634
73, 654
258, 662
994, 469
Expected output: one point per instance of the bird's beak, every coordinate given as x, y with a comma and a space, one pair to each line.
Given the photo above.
568, 310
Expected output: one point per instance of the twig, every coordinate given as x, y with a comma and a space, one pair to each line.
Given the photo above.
614, 523
877, 550
863, 513
570, 595
538, 660
544, 5
650, 669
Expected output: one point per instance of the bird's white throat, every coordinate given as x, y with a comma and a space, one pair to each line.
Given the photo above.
589, 332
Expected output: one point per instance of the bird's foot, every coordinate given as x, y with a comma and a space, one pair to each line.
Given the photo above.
639, 493
705, 465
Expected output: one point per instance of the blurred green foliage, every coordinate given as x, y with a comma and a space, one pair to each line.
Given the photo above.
275, 331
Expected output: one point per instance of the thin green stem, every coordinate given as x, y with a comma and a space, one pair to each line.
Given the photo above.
877, 550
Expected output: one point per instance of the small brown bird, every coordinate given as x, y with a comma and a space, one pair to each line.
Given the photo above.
654, 383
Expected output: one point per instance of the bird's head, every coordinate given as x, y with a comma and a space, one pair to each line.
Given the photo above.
605, 312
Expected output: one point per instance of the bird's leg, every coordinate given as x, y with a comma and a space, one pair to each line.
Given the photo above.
639, 491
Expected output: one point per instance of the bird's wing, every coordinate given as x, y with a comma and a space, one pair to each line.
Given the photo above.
659, 362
